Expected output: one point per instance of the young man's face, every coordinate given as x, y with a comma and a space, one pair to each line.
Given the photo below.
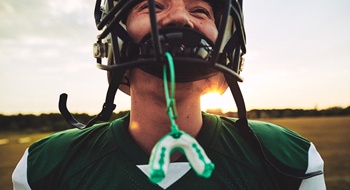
196, 14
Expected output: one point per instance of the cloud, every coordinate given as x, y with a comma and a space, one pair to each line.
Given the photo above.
5, 7
38, 36
31, 29
68, 7
50, 19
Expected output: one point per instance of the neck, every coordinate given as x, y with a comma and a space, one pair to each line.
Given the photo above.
149, 121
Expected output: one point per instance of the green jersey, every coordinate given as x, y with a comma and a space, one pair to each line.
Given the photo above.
105, 156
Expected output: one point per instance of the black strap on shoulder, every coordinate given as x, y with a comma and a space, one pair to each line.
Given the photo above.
242, 122
248, 134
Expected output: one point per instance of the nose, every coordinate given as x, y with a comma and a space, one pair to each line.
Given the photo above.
176, 16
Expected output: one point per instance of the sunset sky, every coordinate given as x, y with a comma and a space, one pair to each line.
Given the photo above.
298, 56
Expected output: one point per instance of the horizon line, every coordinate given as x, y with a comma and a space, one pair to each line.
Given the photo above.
206, 110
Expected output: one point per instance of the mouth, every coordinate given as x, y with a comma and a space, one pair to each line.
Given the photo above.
188, 48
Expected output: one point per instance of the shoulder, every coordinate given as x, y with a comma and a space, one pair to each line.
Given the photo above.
67, 140
62, 154
286, 150
282, 144
73, 139
290, 153
283, 147
279, 142
60, 146
269, 132
272, 136
278, 138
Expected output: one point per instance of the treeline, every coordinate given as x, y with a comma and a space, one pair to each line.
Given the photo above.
55, 121
282, 113
43, 122
288, 113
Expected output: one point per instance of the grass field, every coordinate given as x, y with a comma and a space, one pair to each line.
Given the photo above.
11, 152
331, 135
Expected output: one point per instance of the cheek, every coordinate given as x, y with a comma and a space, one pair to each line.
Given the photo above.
211, 32
208, 28
137, 27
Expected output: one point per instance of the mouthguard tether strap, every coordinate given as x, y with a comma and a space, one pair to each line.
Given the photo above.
176, 140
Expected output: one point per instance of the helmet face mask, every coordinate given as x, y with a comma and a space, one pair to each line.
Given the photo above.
224, 55
193, 60
187, 46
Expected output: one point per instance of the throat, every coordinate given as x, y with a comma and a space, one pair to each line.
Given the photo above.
148, 127
149, 121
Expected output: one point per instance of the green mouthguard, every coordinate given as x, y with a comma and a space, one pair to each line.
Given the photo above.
176, 140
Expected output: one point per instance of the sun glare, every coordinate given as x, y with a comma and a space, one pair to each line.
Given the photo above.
211, 101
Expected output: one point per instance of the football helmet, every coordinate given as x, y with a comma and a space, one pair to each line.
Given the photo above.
191, 49
195, 56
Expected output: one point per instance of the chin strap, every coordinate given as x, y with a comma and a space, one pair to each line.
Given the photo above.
242, 122
245, 130
176, 140
107, 108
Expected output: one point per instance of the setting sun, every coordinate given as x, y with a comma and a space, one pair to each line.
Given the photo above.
214, 100
211, 100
